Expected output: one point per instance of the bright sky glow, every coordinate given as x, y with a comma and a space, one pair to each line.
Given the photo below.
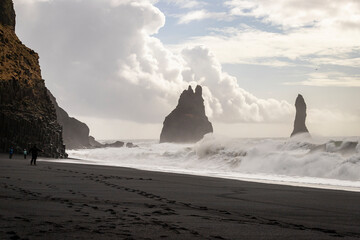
121, 65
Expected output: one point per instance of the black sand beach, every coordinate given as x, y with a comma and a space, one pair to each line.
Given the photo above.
69, 201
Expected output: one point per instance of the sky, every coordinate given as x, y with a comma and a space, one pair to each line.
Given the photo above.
120, 65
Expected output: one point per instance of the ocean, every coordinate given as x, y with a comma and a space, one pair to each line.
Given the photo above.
331, 163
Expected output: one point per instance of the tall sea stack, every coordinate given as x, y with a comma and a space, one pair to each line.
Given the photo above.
187, 122
299, 123
27, 115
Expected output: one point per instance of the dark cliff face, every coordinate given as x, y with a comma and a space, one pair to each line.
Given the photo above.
299, 123
7, 14
187, 122
27, 115
75, 133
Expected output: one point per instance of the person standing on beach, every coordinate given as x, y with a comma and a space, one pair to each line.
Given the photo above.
25, 153
11, 152
34, 153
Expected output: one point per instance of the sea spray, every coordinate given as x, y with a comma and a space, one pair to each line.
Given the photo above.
302, 160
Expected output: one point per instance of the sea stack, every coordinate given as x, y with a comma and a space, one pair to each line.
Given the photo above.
300, 117
27, 115
187, 122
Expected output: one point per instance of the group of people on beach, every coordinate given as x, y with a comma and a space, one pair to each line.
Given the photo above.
34, 153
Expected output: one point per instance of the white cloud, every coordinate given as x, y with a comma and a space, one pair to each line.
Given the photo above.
344, 60
101, 61
123, 72
332, 79
229, 102
250, 45
201, 15
186, 3
299, 13
310, 32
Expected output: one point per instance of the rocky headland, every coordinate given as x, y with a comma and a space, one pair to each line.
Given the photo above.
300, 117
188, 121
27, 115
75, 133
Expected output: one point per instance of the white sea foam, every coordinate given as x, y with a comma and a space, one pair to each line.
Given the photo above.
315, 162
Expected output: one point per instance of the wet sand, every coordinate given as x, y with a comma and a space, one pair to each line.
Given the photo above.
70, 201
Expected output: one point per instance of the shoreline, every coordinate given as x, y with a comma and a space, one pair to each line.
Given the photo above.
62, 200
281, 180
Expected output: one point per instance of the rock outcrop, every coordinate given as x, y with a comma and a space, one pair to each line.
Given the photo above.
75, 133
93, 143
300, 117
7, 14
116, 144
131, 145
187, 122
27, 115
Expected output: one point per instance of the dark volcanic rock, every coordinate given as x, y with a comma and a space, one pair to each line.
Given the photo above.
131, 145
187, 122
299, 123
93, 143
27, 115
75, 133
7, 14
114, 144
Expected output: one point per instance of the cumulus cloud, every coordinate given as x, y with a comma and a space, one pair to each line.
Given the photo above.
227, 101
100, 59
86, 45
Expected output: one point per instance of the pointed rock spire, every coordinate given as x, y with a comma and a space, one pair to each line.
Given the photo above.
187, 122
300, 117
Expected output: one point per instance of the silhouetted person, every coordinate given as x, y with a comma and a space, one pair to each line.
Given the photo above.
34, 153
11, 152
25, 153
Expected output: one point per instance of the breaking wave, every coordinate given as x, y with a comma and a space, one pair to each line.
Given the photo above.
333, 163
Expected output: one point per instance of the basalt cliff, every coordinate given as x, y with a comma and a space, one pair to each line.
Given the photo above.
7, 14
27, 115
187, 122
300, 117
75, 133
